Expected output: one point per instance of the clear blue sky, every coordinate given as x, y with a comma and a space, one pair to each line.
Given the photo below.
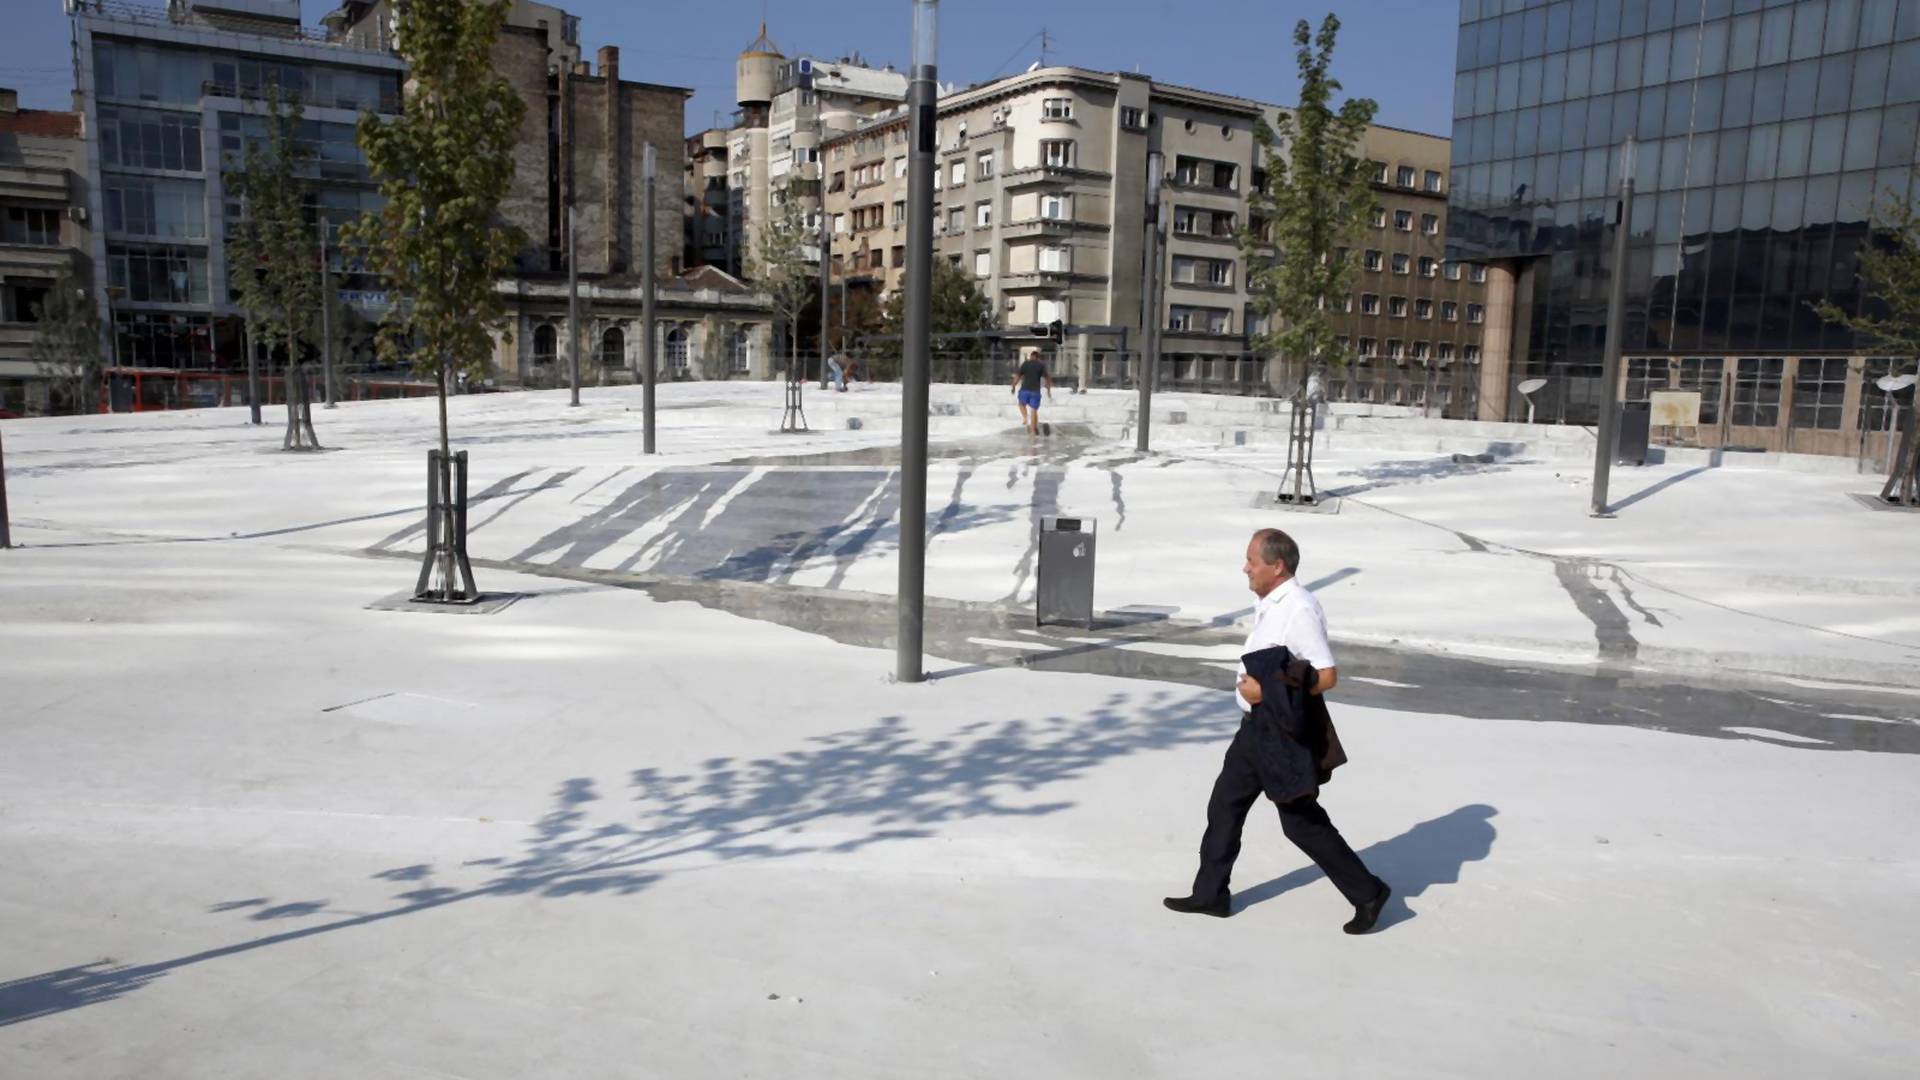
1399, 52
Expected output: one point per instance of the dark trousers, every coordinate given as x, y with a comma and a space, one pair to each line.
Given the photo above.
1303, 820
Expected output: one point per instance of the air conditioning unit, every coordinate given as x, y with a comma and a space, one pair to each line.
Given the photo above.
77, 213
999, 118
1012, 303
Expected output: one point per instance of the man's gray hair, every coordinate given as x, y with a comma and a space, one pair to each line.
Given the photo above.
1278, 547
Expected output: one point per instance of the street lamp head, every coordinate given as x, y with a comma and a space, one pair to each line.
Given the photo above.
1531, 386
1893, 384
1156, 173
926, 37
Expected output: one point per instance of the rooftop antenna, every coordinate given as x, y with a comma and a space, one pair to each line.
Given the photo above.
1046, 43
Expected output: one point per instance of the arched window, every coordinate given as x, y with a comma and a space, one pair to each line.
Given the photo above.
613, 348
677, 349
740, 351
546, 344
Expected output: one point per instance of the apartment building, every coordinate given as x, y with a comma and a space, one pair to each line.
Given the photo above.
788, 106
1041, 194
170, 96
43, 234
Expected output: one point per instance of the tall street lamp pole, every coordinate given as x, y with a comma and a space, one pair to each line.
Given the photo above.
573, 307
922, 96
647, 170
1149, 366
1616, 330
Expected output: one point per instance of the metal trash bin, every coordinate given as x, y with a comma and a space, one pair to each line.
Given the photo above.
1630, 444
1063, 591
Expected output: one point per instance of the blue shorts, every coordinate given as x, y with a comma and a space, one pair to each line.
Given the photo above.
1030, 398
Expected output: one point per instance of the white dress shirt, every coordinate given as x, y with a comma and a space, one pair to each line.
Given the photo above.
1290, 616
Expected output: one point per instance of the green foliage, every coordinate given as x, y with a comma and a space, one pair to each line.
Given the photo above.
1890, 270
443, 167
959, 306
274, 253
1317, 198
785, 266
66, 343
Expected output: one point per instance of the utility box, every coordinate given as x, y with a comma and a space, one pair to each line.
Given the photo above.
1063, 591
1630, 446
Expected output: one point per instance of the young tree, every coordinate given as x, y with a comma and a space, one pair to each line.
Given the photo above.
959, 306
1890, 270
276, 255
1317, 198
443, 166
786, 267
66, 344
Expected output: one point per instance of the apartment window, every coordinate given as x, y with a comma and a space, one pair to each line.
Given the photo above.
32, 225
146, 139
1453, 271
1055, 260
1433, 184
1186, 171
1186, 220
1705, 376
1429, 267
1379, 172
1406, 176
982, 264
1057, 108
957, 172
1756, 391
1430, 224
1402, 263
1200, 319
1449, 311
983, 166
899, 211
1396, 349
1056, 207
859, 260
899, 256
982, 215
1222, 224
1132, 118
1397, 306
1376, 261
1470, 353
1191, 270
956, 220
1365, 347
546, 344
953, 260
1420, 350
1444, 352
1379, 219
1476, 313
1423, 309
1225, 176
899, 167
1369, 304
166, 275
839, 182
1346, 303
740, 350
677, 349
1058, 153
1403, 220
1477, 273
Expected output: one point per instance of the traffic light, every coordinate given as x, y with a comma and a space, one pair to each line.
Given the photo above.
1055, 331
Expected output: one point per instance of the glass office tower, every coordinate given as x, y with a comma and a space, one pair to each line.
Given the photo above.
171, 97
1764, 132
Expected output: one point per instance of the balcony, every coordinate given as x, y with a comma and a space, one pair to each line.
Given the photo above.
1049, 227
1037, 175
1047, 279
387, 105
145, 15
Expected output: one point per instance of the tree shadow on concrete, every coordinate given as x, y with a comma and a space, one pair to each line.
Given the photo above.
1431, 853
833, 794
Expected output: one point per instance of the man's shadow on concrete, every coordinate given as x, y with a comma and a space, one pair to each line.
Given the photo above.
1431, 853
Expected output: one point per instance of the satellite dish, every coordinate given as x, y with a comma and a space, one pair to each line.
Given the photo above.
1893, 384
1531, 385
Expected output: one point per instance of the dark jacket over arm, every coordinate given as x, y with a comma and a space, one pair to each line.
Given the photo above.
1295, 746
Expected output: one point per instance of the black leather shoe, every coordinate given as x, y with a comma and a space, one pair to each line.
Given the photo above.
1193, 905
1368, 913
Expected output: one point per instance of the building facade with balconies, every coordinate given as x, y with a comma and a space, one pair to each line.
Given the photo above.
1041, 184
43, 234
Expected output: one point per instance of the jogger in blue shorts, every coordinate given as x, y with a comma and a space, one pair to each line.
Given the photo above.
1026, 389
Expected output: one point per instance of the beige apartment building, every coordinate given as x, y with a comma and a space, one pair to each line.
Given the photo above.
43, 234
1041, 195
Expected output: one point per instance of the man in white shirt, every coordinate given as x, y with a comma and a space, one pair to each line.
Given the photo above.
1287, 615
